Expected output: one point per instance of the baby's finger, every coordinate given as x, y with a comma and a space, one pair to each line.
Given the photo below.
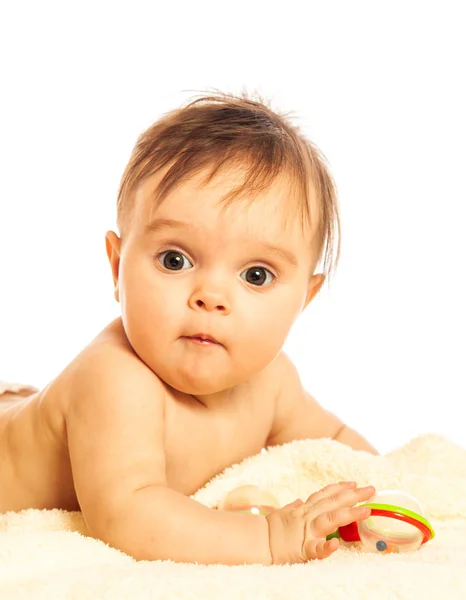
343, 499
327, 547
296, 504
330, 490
329, 522
321, 549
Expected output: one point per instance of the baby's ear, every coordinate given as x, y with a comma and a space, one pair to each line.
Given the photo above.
112, 244
314, 286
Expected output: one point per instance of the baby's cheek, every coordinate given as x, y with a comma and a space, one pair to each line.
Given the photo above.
273, 322
259, 340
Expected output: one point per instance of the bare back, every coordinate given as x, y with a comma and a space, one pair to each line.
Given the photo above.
35, 469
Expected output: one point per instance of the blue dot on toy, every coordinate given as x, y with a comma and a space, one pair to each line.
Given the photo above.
381, 546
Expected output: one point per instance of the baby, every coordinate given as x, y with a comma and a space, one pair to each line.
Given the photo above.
224, 211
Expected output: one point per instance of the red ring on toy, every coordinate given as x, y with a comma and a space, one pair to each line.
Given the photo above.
377, 512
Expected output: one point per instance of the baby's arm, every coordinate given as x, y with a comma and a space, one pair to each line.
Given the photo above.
299, 416
115, 426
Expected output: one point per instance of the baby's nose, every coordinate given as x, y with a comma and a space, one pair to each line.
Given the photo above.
210, 300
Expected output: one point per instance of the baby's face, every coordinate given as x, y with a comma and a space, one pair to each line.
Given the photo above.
188, 269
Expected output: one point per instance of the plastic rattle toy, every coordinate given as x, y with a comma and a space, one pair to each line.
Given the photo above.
250, 498
396, 524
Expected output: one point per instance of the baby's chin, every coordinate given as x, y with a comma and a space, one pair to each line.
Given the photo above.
197, 385
197, 388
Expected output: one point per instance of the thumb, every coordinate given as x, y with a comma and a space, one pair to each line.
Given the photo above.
320, 548
296, 504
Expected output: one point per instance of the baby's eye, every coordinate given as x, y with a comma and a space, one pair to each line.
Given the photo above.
259, 276
174, 260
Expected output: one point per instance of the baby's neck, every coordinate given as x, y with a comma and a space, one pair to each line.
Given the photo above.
216, 400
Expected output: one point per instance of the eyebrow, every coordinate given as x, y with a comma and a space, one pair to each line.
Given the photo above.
158, 224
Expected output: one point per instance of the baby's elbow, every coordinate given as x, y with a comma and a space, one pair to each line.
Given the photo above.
129, 527
348, 436
115, 529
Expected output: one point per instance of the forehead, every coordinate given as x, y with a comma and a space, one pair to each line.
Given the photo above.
273, 212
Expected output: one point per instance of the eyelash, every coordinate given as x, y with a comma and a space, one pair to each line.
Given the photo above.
274, 277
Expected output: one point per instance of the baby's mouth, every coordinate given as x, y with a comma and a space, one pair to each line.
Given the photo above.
202, 339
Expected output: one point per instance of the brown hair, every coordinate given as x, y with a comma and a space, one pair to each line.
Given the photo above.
219, 130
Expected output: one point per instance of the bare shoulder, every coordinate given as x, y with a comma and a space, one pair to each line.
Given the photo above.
108, 358
268, 384
280, 373
114, 423
108, 379
297, 415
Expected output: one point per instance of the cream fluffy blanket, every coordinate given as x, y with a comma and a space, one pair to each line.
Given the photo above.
47, 554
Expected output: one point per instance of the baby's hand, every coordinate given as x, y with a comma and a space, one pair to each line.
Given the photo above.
298, 531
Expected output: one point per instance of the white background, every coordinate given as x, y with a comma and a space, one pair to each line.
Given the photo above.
378, 86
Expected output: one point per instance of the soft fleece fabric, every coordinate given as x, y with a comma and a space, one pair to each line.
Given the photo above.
46, 554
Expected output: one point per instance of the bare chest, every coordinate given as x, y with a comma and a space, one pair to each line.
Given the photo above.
199, 446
